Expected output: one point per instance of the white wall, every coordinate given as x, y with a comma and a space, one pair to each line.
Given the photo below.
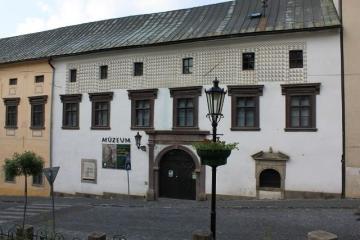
314, 164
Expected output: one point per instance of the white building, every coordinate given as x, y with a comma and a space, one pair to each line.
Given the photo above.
282, 73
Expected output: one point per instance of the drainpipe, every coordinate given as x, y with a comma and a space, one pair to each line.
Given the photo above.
51, 111
343, 163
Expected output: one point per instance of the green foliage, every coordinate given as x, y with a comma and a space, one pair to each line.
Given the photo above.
212, 146
27, 163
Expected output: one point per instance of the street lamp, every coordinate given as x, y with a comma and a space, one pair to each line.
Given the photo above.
138, 142
215, 100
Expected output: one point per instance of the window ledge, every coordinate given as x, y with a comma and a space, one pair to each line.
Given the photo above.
70, 128
274, 189
38, 185
185, 128
37, 128
100, 128
141, 128
249, 129
301, 129
11, 127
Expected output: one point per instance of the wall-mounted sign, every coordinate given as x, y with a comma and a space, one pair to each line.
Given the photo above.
115, 140
116, 156
88, 170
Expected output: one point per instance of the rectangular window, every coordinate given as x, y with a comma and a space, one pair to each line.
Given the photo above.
37, 179
37, 120
138, 69
185, 107
142, 108
100, 110
13, 81
73, 75
142, 113
101, 114
11, 112
71, 108
38, 111
39, 79
248, 60
187, 65
296, 59
245, 113
185, 112
301, 106
104, 72
300, 111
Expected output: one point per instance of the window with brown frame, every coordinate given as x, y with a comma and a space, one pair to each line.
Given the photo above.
104, 72
71, 110
296, 59
138, 68
245, 109
187, 65
38, 180
13, 81
142, 108
39, 79
301, 106
11, 112
100, 114
185, 107
37, 112
248, 61
73, 75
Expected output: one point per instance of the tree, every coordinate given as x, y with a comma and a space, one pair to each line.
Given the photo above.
26, 164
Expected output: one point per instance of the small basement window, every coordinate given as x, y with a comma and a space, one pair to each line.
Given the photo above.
13, 81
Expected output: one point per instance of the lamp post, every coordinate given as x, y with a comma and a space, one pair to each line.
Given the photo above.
215, 100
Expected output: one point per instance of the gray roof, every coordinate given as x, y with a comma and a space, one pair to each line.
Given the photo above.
227, 19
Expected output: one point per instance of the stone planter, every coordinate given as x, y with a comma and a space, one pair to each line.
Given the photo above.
213, 158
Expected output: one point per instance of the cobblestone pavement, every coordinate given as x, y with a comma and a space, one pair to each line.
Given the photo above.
169, 219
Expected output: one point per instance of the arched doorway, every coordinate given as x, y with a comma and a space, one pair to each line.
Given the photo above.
270, 178
177, 176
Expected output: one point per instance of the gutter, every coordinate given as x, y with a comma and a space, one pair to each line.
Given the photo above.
51, 111
343, 159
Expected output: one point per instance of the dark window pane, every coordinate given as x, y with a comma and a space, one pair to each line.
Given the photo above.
73, 75
187, 65
296, 59
248, 61
39, 79
13, 81
37, 115
142, 108
185, 112
300, 111
138, 69
104, 72
101, 114
245, 112
11, 116
71, 114
38, 179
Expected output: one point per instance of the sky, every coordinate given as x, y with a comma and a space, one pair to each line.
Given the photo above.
26, 16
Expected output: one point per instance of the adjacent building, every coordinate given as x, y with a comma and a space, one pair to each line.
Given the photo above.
25, 119
351, 37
